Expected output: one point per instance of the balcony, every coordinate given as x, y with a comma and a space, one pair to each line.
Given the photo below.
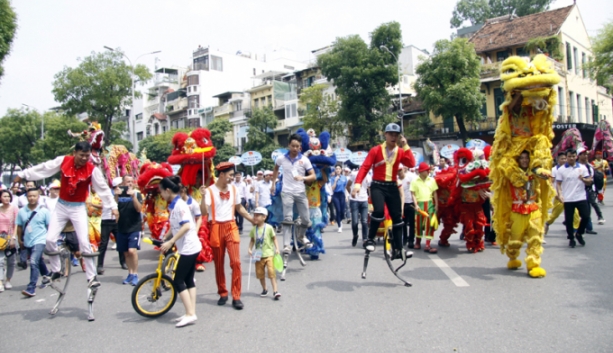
491, 71
200, 52
284, 124
221, 110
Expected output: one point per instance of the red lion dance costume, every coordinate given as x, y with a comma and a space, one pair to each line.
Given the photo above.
156, 208
194, 152
447, 181
473, 172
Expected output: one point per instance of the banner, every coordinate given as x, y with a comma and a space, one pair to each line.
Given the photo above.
476, 144
277, 153
235, 159
342, 154
418, 157
448, 150
251, 158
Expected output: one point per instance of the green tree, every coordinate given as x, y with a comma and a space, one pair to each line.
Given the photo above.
8, 27
19, 132
477, 11
160, 146
219, 128
601, 67
361, 73
57, 142
321, 111
448, 82
117, 135
99, 86
260, 135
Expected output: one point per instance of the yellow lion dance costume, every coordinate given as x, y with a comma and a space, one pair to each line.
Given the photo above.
525, 125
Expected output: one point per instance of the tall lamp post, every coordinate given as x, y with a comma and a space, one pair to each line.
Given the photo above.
131, 117
400, 112
42, 122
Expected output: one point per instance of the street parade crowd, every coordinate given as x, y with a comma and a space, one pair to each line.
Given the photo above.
500, 194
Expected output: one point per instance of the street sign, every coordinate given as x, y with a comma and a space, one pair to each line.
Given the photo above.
251, 158
358, 157
236, 160
277, 153
342, 154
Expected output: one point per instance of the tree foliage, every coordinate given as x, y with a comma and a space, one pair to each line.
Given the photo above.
8, 27
321, 111
477, 11
601, 67
99, 86
19, 131
448, 82
57, 142
361, 73
219, 128
160, 146
260, 135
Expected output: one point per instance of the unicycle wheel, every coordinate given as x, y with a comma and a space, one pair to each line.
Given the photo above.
151, 300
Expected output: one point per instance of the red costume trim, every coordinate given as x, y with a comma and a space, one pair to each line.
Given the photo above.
75, 181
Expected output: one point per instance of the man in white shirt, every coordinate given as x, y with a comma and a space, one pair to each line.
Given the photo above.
250, 191
571, 180
54, 195
297, 170
262, 191
359, 207
241, 191
23, 199
409, 207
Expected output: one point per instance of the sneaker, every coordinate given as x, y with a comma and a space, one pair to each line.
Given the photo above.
546, 229
114, 247
54, 276
572, 243
590, 232
128, 279
601, 220
93, 283
124, 266
348, 222
264, 293
28, 294
75, 262
544, 241
8, 285
580, 239
237, 304
354, 241
287, 249
178, 319
340, 229
277, 295
134, 280
100, 270
1, 288
187, 320
222, 300
369, 245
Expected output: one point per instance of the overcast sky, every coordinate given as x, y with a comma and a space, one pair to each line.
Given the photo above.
53, 34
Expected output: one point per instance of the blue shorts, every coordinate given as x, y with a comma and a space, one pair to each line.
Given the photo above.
126, 241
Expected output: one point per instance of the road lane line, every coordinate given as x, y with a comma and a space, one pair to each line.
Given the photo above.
453, 276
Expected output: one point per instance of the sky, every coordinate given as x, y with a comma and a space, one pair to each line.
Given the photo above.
54, 34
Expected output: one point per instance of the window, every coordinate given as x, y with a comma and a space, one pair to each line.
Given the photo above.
291, 111
193, 102
576, 59
256, 103
288, 67
201, 63
484, 107
195, 89
139, 116
583, 65
501, 55
139, 136
588, 110
163, 128
561, 104
569, 58
193, 80
239, 106
522, 52
594, 112
579, 109
571, 99
216, 63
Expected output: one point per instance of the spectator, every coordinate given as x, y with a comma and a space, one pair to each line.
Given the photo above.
108, 225
241, 190
8, 217
359, 207
339, 181
129, 204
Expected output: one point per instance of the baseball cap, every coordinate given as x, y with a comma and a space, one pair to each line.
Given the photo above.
260, 172
392, 128
268, 172
261, 210
581, 149
117, 181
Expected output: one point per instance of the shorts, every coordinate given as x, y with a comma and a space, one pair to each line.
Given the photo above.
127, 241
265, 262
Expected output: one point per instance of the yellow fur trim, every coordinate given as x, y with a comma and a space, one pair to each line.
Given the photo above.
537, 272
513, 264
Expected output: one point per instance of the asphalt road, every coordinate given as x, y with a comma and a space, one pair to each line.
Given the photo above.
327, 307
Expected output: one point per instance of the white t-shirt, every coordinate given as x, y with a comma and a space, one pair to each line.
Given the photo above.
573, 189
180, 214
50, 203
241, 189
406, 186
194, 207
298, 166
362, 196
263, 191
23, 200
223, 209
250, 194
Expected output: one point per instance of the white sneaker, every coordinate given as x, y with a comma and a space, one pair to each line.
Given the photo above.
1, 288
544, 241
178, 319
601, 221
340, 229
8, 285
187, 320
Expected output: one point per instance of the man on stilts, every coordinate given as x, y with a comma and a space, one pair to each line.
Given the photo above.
385, 159
77, 174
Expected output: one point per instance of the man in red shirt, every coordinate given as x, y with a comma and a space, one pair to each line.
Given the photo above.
77, 175
385, 160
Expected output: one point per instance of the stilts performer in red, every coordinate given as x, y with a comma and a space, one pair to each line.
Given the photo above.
77, 174
447, 181
385, 159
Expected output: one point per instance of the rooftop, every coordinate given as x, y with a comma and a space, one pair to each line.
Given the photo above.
507, 31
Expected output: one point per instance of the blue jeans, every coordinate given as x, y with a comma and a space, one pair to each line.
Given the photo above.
338, 198
359, 209
37, 265
250, 204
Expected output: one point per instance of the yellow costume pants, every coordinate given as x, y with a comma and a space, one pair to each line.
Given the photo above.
557, 210
526, 228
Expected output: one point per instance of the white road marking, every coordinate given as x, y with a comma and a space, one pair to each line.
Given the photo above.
453, 276
40, 300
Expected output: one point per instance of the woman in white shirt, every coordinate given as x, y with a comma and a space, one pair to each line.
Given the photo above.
185, 238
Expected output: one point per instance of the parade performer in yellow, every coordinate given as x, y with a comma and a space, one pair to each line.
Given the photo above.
602, 166
525, 125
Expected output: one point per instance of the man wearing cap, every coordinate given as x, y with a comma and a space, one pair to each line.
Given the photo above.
423, 190
297, 170
220, 203
54, 195
262, 191
385, 159
77, 175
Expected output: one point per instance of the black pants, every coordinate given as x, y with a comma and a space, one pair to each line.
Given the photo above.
106, 227
186, 268
382, 194
489, 232
239, 218
331, 211
592, 200
569, 211
409, 221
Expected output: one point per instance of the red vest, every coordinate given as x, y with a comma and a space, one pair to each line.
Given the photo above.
75, 181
